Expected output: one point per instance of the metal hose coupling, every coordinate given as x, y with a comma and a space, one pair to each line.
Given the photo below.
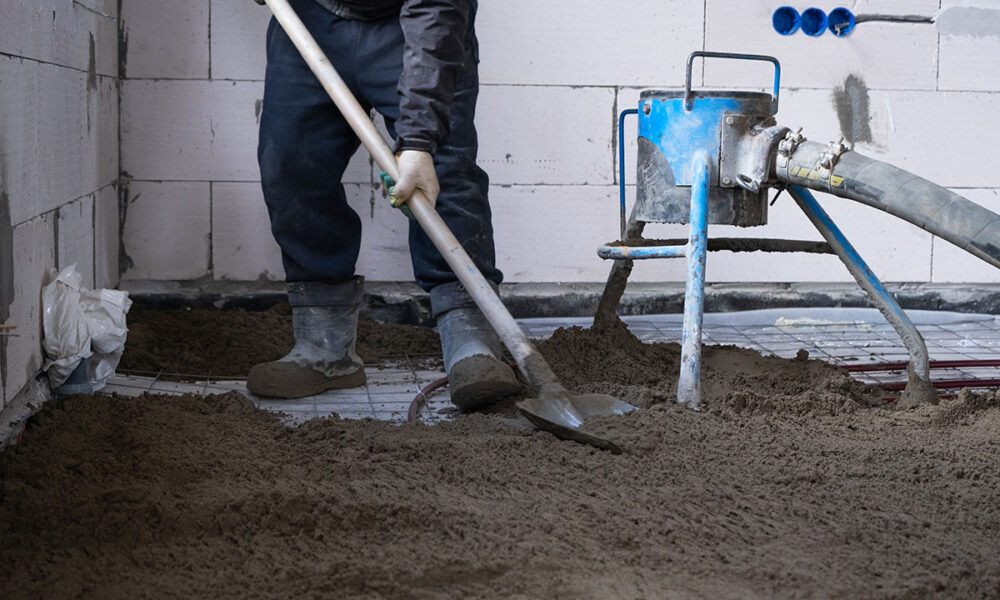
749, 166
813, 164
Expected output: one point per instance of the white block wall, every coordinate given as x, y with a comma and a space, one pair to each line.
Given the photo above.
58, 162
555, 74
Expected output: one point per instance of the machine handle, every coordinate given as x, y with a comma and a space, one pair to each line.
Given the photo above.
621, 164
689, 95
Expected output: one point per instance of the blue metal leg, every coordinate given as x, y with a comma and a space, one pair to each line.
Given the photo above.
918, 388
641, 252
689, 382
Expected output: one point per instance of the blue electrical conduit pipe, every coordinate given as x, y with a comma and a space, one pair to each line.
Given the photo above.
841, 21
919, 388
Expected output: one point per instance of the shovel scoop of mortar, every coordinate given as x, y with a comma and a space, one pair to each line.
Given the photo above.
556, 411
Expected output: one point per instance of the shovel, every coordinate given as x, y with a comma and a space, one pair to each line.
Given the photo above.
552, 408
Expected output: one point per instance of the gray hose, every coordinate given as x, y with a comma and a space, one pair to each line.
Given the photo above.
899, 193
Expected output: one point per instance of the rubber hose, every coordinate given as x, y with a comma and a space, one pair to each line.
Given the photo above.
900, 193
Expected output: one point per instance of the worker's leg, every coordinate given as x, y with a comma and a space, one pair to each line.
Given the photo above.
304, 148
471, 348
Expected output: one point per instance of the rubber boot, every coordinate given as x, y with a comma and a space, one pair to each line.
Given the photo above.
477, 376
325, 323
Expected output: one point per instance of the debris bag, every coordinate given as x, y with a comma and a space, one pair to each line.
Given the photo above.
79, 323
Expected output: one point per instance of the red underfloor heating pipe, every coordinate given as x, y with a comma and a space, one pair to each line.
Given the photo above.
940, 384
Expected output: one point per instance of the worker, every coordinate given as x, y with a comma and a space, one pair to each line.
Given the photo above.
416, 63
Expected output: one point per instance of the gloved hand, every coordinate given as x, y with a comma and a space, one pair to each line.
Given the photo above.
416, 171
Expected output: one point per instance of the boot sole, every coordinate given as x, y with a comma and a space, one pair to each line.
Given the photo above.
290, 384
479, 381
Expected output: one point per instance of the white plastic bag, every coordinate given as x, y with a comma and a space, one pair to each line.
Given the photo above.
80, 323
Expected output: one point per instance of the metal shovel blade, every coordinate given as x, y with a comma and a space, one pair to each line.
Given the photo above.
562, 414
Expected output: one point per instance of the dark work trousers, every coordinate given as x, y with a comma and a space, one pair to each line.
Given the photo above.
305, 145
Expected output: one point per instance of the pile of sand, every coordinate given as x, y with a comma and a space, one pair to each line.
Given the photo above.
791, 484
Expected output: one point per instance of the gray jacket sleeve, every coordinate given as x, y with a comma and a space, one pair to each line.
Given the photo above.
436, 34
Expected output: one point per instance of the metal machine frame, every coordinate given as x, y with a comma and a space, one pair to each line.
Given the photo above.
727, 150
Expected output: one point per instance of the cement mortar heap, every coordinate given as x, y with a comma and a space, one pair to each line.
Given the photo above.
795, 481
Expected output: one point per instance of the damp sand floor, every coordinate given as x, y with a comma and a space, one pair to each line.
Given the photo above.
795, 481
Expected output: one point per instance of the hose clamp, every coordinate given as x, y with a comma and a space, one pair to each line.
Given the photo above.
828, 160
786, 148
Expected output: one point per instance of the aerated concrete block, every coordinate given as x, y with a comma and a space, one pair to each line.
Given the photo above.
894, 249
551, 233
242, 245
62, 33
189, 130
167, 230
970, 45
566, 42
106, 237
166, 40
543, 135
197, 131
75, 238
101, 140
34, 254
52, 152
238, 39
939, 135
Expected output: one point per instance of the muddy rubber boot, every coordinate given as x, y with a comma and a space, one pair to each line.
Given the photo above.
477, 377
325, 323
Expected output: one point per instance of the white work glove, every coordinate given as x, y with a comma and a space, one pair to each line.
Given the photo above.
416, 171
